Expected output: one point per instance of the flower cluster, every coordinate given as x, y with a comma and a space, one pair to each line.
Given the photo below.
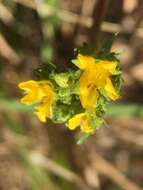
77, 97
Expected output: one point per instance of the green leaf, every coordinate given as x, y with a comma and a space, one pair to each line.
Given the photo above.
75, 62
95, 121
118, 82
102, 104
61, 113
85, 49
83, 138
108, 44
112, 56
64, 95
61, 79
117, 72
45, 70
74, 74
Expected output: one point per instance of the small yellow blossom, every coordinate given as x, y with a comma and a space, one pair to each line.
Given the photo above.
95, 77
80, 120
39, 92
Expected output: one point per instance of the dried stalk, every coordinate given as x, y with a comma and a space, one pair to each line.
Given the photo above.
67, 16
98, 15
7, 52
58, 170
104, 167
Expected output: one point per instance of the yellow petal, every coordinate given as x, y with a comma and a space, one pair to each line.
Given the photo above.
88, 97
44, 110
110, 90
99, 75
28, 85
75, 121
35, 91
44, 90
85, 62
80, 120
88, 90
85, 125
110, 66
31, 89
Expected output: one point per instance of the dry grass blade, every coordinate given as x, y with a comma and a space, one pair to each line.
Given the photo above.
7, 52
58, 170
42, 161
129, 137
28, 3
104, 167
67, 16
98, 15
5, 15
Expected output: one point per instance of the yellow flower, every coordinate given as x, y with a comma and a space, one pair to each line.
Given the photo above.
39, 92
95, 77
80, 120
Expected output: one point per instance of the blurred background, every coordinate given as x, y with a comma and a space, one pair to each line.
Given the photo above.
34, 156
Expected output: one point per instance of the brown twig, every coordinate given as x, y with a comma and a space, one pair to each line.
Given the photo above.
7, 52
58, 170
104, 167
5, 15
67, 16
28, 3
98, 15
42, 161
129, 136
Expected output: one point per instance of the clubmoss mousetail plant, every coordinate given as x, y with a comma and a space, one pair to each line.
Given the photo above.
79, 96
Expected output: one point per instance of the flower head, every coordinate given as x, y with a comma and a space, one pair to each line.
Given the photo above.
94, 79
39, 92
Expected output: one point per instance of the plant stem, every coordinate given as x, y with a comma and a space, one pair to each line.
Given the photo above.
98, 15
